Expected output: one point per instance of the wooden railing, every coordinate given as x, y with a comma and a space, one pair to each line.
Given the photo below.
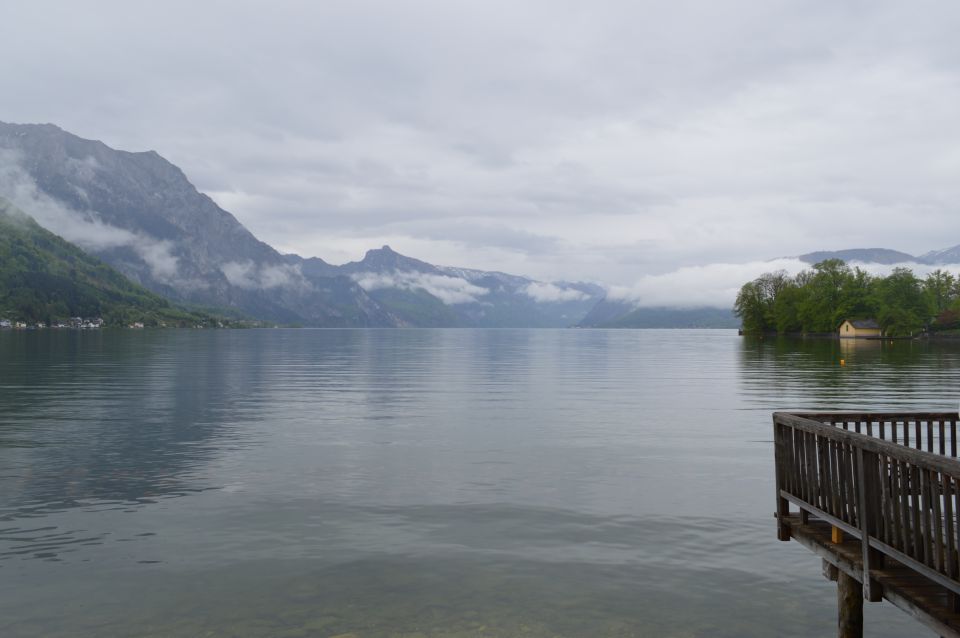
889, 480
930, 431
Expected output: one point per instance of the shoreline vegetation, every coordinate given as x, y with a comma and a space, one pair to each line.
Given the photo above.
817, 300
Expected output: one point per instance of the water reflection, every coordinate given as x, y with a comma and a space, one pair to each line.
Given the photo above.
424, 482
795, 373
108, 424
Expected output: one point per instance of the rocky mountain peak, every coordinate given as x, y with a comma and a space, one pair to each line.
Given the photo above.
386, 259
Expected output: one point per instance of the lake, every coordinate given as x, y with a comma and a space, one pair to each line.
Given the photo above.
420, 483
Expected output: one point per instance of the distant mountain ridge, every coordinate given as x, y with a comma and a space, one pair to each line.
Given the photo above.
140, 214
886, 256
474, 298
865, 255
939, 257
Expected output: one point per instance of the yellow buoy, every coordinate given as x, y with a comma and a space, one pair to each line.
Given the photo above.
843, 362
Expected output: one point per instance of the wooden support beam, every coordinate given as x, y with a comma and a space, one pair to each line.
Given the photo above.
849, 607
836, 535
830, 571
783, 507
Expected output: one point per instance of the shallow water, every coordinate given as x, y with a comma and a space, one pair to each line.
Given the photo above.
419, 482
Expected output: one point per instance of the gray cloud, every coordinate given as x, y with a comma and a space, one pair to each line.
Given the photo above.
548, 292
695, 286
251, 276
717, 284
449, 290
615, 141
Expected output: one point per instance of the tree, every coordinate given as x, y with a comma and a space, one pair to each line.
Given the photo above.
785, 308
821, 310
857, 298
757, 299
903, 306
940, 289
750, 306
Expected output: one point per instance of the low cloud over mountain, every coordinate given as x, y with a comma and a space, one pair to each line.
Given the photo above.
85, 228
449, 290
139, 213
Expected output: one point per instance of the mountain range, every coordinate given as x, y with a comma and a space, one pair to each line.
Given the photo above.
141, 215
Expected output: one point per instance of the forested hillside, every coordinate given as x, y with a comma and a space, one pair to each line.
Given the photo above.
46, 279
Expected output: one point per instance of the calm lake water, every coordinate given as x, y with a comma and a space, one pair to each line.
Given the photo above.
442, 483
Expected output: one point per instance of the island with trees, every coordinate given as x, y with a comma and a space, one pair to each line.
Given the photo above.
817, 300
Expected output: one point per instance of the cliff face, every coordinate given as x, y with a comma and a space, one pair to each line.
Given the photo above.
139, 213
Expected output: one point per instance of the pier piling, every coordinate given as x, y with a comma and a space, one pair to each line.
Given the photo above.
849, 607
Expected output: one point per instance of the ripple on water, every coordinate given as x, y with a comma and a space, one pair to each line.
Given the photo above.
418, 483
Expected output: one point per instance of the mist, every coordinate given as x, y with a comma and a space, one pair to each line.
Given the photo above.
251, 276
716, 285
549, 292
449, 290
83, 228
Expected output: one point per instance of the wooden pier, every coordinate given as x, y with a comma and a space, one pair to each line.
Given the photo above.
877, 497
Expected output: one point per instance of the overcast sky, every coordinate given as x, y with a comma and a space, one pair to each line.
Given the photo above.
605, 140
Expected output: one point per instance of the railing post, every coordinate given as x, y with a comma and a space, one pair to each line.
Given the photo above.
866, 471
783, 506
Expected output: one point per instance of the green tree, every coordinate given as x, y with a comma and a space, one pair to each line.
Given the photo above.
857, 298
940, 288
786, 308
903, 307
750, 306
822, 308
756, 301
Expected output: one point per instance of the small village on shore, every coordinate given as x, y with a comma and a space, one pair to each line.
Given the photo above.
86, 323
98, 323
75, 323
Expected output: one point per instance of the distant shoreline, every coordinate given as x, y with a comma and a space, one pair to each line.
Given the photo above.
927, 336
